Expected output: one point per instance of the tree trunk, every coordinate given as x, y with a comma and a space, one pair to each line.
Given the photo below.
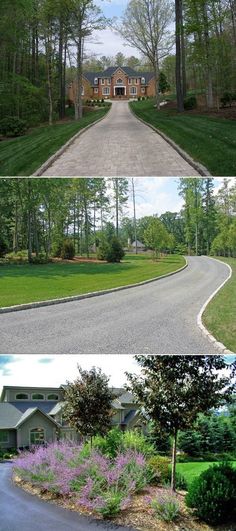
134, 207
173, 467
178, 73
29, 224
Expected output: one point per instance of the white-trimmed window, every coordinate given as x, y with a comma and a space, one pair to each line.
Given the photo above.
37, 436
96, 91
133, 91
136, 81
130, 81
96, 81
82, 91
119, 81
143, 80
143, 90
22, 396
38, 396
106, 91
103, 81
4, 436
108, 80
53, 397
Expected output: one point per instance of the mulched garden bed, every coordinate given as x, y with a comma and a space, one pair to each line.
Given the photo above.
139, 515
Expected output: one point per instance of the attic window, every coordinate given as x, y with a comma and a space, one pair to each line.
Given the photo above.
119, 81
96, 81
22, 396
143, 80
37, 396
52, 397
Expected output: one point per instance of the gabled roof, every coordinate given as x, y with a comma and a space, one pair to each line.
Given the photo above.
11, 417
139, 244
44, 405
110, 71
116, 404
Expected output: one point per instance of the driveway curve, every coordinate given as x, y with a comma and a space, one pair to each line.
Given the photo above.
156, 318
20, 511
120, 145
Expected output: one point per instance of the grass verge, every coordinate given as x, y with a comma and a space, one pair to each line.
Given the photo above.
25, 154
219, 316
29, 283
207, 139
192, 470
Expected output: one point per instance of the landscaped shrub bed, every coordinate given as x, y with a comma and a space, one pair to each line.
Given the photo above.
95, 481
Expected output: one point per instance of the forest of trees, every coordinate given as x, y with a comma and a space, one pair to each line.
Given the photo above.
43, 48
38, 214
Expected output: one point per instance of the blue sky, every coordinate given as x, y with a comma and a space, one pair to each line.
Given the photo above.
53, 371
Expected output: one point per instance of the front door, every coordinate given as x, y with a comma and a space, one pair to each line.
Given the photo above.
120, 91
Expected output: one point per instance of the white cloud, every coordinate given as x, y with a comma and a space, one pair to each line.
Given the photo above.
29, 370
109, 43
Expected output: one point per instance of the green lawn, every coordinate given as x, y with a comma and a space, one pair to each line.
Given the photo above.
209, 140
27, 283
192, 470
220, 314
25, 154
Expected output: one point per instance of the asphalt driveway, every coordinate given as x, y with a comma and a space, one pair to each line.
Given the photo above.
120, 145
156, 318
20, 511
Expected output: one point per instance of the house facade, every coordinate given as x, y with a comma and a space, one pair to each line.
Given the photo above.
115, 83
32, 416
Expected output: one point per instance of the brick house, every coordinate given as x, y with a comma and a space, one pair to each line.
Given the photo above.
115, 83
34, 415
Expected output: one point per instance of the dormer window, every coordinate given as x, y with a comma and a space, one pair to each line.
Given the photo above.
96, 81
37, 396
143, 80
22, 396
119, 81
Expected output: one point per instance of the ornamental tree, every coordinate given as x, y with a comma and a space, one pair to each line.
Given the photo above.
88, 403
173, 390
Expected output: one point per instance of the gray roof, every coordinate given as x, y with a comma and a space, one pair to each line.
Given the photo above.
116, 404
126, 398
139, 244
46, 406
131, 415
57, 408
109, 72
9, 416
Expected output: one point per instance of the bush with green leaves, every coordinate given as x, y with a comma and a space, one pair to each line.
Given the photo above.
213, 494
111, 251
165, 507
116, 251
68, 250
116, 441
190, 103
3, 247
12, 126
110, 444
160, 468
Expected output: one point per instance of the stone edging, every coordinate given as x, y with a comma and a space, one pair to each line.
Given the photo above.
202, 327
196, 165
39, 304
60, 152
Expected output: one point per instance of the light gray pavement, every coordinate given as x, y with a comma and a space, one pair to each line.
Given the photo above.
120, 145
20, 511
157, 318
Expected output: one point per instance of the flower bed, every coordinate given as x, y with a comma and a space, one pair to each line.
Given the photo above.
94, 481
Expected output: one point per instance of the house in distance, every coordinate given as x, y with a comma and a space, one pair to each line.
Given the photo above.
115, 83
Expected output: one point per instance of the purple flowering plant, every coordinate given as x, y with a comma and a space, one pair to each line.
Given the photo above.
95, 481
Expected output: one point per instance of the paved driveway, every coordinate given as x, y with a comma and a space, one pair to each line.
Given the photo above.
158, 318
19, 511
120, 145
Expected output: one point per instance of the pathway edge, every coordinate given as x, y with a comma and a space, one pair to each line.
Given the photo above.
40, 304
62, 150
196, 165
200, 324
